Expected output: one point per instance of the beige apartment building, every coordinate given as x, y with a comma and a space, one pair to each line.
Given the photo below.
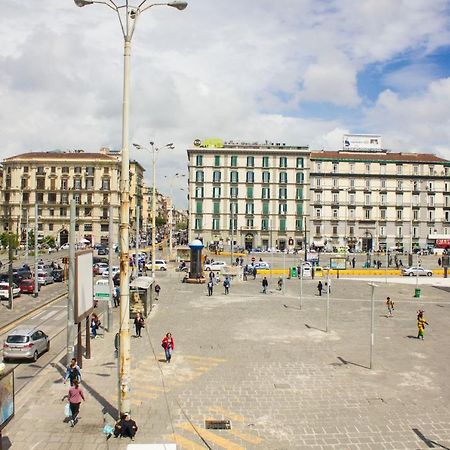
51, 180
375, 200
255, 195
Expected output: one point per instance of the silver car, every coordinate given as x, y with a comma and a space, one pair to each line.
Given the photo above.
25, 343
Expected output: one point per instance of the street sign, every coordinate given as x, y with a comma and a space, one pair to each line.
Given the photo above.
253, 259
101, 292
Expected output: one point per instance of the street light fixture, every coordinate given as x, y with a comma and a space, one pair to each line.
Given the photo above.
127, 16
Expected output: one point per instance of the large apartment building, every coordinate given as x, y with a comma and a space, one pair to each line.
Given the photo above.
252, 194
273, 195
51, 180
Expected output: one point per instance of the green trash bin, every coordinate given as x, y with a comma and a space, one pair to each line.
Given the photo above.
293, 272
417, 292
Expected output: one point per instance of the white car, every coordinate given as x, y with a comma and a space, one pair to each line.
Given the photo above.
101, 267
261, 265
215, 265
4, 290
160, 264
64, 246
417, 271
114, 270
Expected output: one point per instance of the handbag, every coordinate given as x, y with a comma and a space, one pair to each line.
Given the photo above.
67, 411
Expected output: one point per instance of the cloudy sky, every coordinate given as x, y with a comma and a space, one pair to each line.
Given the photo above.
297, 71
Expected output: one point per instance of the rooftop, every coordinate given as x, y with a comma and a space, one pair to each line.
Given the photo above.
60, 155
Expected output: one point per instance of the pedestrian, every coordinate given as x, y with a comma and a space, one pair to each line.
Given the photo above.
280, 284
241, 261
439, 262
265, 285
139, 323
125, 427
421, 322
226, 285
353, 262
168, 344
390, 306
237, 261
319, 288
255, 271
217, 278
73, 372
75, 397
157, 291
328, 286
210, 287
379, 263
95, 325
116, 297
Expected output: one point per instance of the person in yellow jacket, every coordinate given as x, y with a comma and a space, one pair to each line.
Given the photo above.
421, 322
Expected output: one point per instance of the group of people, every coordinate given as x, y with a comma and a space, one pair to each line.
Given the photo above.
321, 287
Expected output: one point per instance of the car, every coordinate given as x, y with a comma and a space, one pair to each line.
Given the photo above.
22, 272
58, 275
4, 290
99, 268
102, 282
102, 251
215, 265
160, 264
417, 271
27, 286
64, 246
261, 265
25, 343
114, 270
44, 277
4, 278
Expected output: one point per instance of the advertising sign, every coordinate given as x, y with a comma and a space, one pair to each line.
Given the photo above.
312, 257
84, 301
338, 263
365, 142
6, 398
102, 292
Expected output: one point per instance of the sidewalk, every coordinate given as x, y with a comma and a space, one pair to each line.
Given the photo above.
269, 367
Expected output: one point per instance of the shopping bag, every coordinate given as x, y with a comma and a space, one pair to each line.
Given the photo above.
108, 429
67, 410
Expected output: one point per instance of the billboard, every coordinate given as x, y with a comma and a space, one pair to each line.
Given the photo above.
6, 398
338, 263
84, 292
367, 142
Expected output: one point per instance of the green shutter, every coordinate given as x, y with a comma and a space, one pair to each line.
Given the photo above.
250, 192
265, 208
299, 209
282, 224
199, 207
216, 208
217, 160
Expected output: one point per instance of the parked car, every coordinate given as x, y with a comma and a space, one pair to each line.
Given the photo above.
22, 272
261, 265
58, 275
4, 290
4, 278
417, 271
114, 270
25, 343
64, 246
160, 264
102, 251
44, 277
99, 268
27, 286
215, 265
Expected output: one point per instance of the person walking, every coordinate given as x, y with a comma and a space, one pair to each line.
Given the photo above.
353, 262
265, 285
226, 285
116, 297
319, 288
255, 271
75, 396
157, 291
73, 372
168, 344
210, 287
390, 306
280, 284
421, 322
139, 323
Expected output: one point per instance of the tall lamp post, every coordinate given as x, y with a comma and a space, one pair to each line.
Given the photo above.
127, 16
154, 151
172, 178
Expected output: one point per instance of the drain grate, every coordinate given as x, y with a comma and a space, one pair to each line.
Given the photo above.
211, 424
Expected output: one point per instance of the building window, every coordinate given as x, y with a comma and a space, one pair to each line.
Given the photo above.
250, 177
383, 199
335, 183
367, 184
318, 166
283, 177
104, 213
199, 207
415, 232
399, 232
318, 230
282, 208
264, 224
352, 167
352, 183
216, 207
283, 162
266, 177
299, 177
199, 160
383, 169
282, 224
430, 186
234, 161
65, 198
382, 214
89, 183
234, 176
63, 212
367, 201
90, 171
265, 208
40, 183
199, 191
265, 161
399, 169
399, 214
217, 160
335, 197
216, 176
233, 192
367, 166
87, 212
249, 223
399, 185
382, 231
318, 182
416, 170
216, 192
318, 212
299, 194
318, 197
415, 185
335, 230
415, 200
250, 161
265, 192
367, 214
431, 215
216, 224
335, 213
104, 227
430, 200
298, 224
300, 163
198, 224
249, 191
383, 184
88, 227
77, 183
105, 184
249, 208
351, 231
282, 193
26, 169
199, 176
24, 183
431, 170
399, 199
416, 214
335, 167
299, 209
77, 198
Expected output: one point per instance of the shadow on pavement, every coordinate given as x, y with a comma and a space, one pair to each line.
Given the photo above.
411, 337
428, 442
5, 443
345, 362
293, 307
314, 328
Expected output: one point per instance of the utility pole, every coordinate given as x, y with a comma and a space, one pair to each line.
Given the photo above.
136, 256
10, 269
232, 232
372, 323
71, 295
26, 239
305, 243
301, 284
36, 283
328, 302
110, 275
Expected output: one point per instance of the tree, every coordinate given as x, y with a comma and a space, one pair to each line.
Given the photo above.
160, 221
181, 226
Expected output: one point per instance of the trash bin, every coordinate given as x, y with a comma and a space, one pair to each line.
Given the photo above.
417, 293
293, 272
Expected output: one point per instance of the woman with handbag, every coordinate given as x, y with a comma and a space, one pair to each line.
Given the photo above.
168, 344
75, 397
139, 324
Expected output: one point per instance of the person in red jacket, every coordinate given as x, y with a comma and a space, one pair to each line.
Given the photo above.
168, 345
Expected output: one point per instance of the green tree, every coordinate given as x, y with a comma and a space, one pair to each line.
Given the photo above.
160, 221
181, 226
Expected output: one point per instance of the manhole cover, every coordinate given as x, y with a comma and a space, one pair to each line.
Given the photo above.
217, 424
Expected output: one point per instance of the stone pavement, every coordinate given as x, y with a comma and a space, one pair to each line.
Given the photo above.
269, 367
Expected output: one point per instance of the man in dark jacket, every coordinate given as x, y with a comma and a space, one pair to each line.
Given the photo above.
265, 285
125, 427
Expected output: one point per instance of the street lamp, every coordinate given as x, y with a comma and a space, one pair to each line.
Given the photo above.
127, 16
172, 178
154, 150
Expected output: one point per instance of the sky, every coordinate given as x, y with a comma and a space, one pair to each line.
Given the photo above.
303, 72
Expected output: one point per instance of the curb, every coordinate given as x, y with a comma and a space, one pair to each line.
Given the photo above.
10, 325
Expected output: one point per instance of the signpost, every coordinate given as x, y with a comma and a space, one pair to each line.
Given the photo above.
338, 264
